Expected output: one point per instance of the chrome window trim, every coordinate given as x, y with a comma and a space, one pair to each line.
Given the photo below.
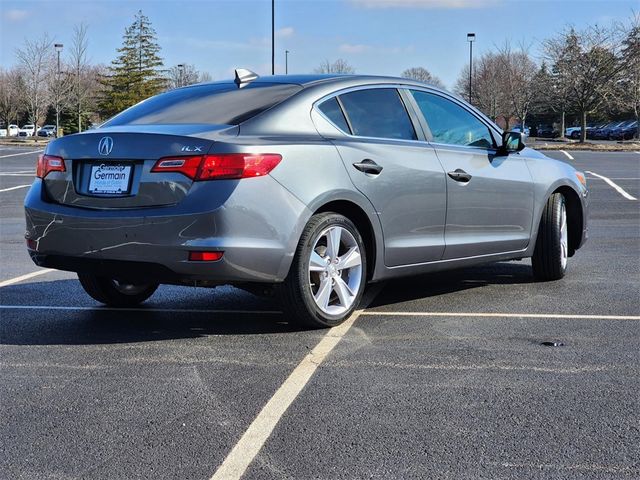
408, 87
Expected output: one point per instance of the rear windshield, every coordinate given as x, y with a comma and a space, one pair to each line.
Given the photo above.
217, 104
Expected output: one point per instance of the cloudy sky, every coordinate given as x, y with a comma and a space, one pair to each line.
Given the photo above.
375, 36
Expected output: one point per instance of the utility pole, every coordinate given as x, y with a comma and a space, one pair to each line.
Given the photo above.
286, 62
58, 47
273, 37
471, 37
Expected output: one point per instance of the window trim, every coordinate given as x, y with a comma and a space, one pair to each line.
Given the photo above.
417, 128
491, 129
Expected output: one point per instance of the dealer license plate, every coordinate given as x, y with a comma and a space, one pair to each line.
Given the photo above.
110, 179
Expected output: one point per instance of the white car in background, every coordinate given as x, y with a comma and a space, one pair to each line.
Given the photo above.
29, 130
12, 130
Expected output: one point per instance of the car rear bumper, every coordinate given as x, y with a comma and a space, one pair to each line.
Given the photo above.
257, 227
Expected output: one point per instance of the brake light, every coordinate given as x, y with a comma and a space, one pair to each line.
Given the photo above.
221, 166
205, 256
47, 164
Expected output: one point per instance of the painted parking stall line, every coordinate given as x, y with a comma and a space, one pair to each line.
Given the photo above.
22, 153
22, 278
503, 315
14, 188
615, 186
253, 439
567, 154
133, 309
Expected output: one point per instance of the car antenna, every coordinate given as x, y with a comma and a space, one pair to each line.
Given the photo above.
244, 77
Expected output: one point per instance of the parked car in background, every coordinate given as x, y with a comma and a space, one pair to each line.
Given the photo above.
47, 131
624, 132
12, 130
3, 131
27, 131
604, 132
572, 132
547, 131
524, 130
308, 186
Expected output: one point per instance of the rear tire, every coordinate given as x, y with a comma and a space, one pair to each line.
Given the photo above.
550, 256
114, 293
328, 274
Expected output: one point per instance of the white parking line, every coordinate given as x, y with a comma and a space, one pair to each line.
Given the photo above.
22, 278
567, 154
504, 315
14, 188
133, 309
12, 174
23, 153
260, 429
618, 188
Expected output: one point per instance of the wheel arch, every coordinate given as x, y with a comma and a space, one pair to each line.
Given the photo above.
574, 216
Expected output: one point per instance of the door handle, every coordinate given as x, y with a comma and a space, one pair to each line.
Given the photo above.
368, 166
460, 175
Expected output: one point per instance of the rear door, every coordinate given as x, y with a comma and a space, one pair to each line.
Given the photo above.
399, 174
489, 197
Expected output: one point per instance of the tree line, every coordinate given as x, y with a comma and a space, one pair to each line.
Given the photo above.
584, 75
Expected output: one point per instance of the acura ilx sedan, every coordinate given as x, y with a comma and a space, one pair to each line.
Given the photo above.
308, 186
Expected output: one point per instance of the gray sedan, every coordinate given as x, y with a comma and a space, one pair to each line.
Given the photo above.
307, 186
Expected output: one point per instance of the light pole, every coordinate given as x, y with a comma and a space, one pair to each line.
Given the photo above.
471, 37
180, 74
286, 62
273, 37
58, 47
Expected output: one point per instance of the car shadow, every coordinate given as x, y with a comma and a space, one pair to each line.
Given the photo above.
442, 283
64, 315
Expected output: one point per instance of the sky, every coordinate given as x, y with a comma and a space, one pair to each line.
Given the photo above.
382, 37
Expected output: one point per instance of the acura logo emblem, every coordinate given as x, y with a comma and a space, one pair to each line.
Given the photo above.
105, 146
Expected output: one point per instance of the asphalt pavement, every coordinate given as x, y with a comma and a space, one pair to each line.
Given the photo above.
440, 376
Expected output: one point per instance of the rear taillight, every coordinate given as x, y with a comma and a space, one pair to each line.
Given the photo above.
48, 164
219, 167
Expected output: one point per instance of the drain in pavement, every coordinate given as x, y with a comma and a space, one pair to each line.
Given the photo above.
552, 344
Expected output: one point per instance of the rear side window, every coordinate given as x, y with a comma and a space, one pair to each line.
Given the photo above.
331, 109
450, 123
378, 113
216, 104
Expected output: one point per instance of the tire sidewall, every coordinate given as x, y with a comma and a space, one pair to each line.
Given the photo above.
329, 220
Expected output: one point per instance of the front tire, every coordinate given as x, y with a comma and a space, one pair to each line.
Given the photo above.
550, 256
328, 275
114, 293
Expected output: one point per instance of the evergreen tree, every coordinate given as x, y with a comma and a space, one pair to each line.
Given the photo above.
136, 73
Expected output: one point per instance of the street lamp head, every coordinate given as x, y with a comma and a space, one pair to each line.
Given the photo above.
181, 65
58, 46
471, 37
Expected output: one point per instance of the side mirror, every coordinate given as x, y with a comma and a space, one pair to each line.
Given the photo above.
511, 142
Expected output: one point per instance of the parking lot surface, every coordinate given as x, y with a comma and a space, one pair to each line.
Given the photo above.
440, 376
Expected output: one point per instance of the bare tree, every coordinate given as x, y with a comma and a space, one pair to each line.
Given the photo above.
487, 87
205, 77
517, 71
588, 62
35, 58
422, 75
84, 83
629, 87
182, 75
339, 66
11, 88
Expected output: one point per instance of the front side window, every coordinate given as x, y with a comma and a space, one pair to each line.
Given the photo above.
378, 113
450, 123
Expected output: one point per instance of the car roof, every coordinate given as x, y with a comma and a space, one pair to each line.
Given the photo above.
338, 80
